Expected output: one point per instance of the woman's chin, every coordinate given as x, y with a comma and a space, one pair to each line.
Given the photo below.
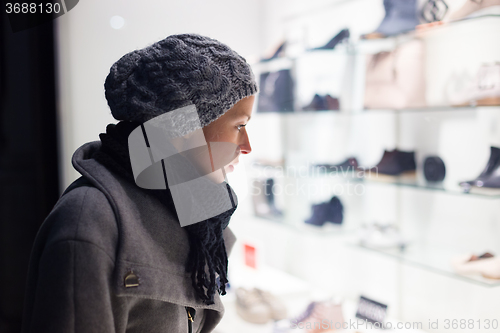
218, 176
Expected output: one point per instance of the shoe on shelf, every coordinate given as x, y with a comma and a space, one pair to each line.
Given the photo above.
343, 35
482, 256
331, 211
278, 309
321, 316
493, 162
400, 17
349, 165
318, 103
258, 306
486, 264
269, 193
395, 163
322, 103
332, 103
278, 53
475, 8
493, 181
276, 91
264, 201
251, 308
381, 237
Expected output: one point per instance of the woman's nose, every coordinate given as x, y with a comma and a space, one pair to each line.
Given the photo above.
245, 145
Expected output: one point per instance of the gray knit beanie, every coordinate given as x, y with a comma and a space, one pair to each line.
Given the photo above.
177, 71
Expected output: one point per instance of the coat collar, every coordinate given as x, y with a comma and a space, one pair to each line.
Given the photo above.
152, 243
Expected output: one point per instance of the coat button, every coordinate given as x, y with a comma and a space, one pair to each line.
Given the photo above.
131, 280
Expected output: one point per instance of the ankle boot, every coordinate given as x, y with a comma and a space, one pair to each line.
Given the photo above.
269, 193
395, 162
400, 16
493, 161
335, 211
492, 181
331, 211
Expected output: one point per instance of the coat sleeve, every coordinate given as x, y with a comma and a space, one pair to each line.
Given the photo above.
69, 286
73, 291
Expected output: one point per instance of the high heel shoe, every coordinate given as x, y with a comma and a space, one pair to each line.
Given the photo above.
280, 52
343, 35
486, 264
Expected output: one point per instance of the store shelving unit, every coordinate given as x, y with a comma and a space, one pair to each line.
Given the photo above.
438, 123
429, 257
442, 220
429, 186
434, 259
412, 182
368, 46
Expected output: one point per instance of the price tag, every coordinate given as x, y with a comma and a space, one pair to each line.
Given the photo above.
250, 255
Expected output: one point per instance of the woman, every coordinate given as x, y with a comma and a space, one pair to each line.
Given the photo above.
112, 256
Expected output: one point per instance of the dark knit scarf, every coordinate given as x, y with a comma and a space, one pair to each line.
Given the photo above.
207, 252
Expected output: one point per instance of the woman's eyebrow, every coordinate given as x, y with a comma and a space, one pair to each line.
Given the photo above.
243, 116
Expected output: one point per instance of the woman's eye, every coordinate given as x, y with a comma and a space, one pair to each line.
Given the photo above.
240, 126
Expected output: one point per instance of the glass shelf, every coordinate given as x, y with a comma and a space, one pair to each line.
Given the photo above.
370, 46
417, 182
327, 230
437, 109
367, 111
433, 258
444, 108
261, 171
420, 183
425, 28
430, 257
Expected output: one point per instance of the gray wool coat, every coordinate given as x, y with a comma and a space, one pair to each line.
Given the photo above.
93, 239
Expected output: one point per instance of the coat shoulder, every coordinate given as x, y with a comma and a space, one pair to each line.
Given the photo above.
83, 214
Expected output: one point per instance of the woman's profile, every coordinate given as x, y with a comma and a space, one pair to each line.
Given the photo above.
113, 256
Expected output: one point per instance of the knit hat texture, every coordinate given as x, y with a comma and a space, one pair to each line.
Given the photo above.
177, 71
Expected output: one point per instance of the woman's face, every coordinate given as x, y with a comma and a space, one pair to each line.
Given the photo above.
230, 127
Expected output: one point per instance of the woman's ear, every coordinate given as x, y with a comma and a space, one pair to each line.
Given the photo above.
190, 140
